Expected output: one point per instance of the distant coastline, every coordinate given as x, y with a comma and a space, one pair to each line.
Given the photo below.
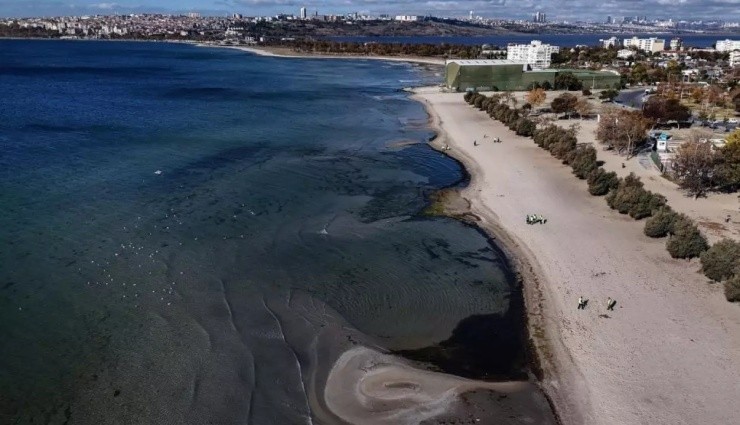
284, 52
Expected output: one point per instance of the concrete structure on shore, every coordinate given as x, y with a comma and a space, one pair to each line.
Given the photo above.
483, 75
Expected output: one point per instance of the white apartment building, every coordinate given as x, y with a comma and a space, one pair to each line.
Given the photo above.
676, 44
727, 45
651, 44
408, 18
303, 13
534, 54
735, 58
609, 42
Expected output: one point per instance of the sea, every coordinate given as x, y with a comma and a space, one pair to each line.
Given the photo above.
179, 225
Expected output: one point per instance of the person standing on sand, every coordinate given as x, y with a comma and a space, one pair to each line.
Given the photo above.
581, 305
610, 303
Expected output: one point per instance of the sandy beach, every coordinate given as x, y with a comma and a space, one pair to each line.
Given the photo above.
670, 351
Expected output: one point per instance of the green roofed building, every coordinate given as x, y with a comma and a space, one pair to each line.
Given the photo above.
485, 75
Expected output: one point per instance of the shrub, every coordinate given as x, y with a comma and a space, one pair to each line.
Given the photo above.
600, 182
485, 103
732, 288
626, 195
686, 240
525, 127
661, 223
469, 96
586, 92
565, 103
719, 261
583, 161
563, 145
511, 116
478, 102
647, 203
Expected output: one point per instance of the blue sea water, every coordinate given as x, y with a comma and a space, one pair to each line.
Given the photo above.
168, 211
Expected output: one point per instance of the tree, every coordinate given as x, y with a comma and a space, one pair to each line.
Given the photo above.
583, 161
693, 166
727, 166
600, 182
536, 96
609, 94
661, 223
525, 127
665, 109
639, 73
626, 195
583, 107
622, 129
736, 99
567, 81
478, 101
686, 240
734, 137
732, 288
565, 103
719, 261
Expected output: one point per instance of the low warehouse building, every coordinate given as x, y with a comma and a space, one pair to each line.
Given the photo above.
484, 75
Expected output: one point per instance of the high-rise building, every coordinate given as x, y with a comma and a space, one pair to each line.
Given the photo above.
676, 44
303, 13
194, 15
609, 20
471, 15
534, 54
540, 17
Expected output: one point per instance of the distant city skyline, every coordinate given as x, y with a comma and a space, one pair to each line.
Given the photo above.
556, 10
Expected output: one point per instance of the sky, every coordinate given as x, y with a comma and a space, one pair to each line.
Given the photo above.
727, 10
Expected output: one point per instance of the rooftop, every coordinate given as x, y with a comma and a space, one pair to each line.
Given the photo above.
485, 62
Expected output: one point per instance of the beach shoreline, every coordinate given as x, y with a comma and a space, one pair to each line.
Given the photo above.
606, 368
540, 345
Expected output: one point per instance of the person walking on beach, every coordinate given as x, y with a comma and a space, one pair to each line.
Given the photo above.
610, 303
581, 304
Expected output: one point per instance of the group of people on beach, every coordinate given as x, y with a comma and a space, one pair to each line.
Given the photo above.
610, 303
485, 136
536, 218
